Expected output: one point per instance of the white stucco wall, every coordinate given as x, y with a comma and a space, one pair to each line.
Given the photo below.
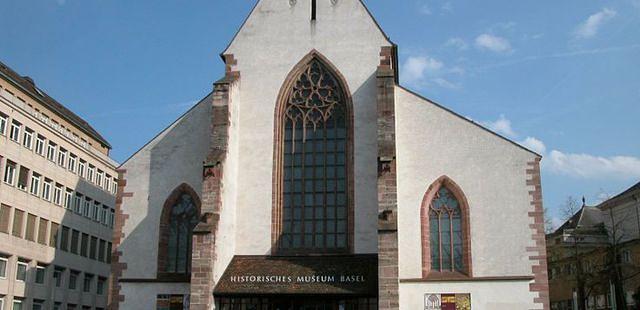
174, 157
490, 295
491, 171
273, 40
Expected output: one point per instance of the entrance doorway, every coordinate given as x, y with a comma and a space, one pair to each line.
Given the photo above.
296, 303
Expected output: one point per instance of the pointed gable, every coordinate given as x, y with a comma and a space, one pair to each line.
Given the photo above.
282, 23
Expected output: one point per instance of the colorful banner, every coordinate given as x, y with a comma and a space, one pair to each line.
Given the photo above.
447, 301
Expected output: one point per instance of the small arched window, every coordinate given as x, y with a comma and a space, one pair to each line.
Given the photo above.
445, 235
313, 119
180, 216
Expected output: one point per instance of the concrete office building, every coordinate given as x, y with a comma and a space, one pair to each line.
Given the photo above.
310, 179
57, 199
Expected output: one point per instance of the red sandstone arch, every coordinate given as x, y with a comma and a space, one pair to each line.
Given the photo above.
424, 221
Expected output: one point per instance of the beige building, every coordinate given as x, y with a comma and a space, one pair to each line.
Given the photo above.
594, 257
57, 198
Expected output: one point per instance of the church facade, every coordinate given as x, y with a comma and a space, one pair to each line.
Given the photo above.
309, 178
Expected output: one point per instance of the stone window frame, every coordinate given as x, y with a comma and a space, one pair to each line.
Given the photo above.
425, 233
27, 138
14, 132
163, 232
4, 121
278, 169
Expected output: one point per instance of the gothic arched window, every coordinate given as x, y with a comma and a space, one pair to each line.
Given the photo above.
313, 204
180, 216
445, 236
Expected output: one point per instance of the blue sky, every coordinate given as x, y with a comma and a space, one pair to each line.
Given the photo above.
560, 77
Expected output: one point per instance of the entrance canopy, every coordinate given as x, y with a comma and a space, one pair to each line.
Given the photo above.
305, 275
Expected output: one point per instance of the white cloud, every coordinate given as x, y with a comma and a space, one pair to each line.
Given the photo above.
590, 27
582, 166
502, 126
444, 83
587, 166
425, 9
493, 43
416, 69
458, 43
447, 7
534, 145
457, 70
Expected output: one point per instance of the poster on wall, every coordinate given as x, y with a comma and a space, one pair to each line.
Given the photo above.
447, 301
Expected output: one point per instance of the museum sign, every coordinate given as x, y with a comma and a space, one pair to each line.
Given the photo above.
260, 275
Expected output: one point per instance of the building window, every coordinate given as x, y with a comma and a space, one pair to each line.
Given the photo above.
101, 284
73, 159
81, 167
112, 217
41, 271
38, 304
313, 208
57, 194
3, 124
86, 211
27, 139
15, 131
68, 199
445, 229
73, 279
35, 184
9, 172
86, 287
75, 238
18, 219
78, 203
42, 231
51, 151
104, 216
90, 173
21, 271
107, 183
2, 303
5, 213
53, 235
64, 239
17, 304
40, 145
101, 250
46, 189
626, 256
57, 276
95, 215
23, 178
114, 187
3, 267
84, 245
99, 178
93, 247
62, 157
57, 306
180, 215
108, 258
31, 227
